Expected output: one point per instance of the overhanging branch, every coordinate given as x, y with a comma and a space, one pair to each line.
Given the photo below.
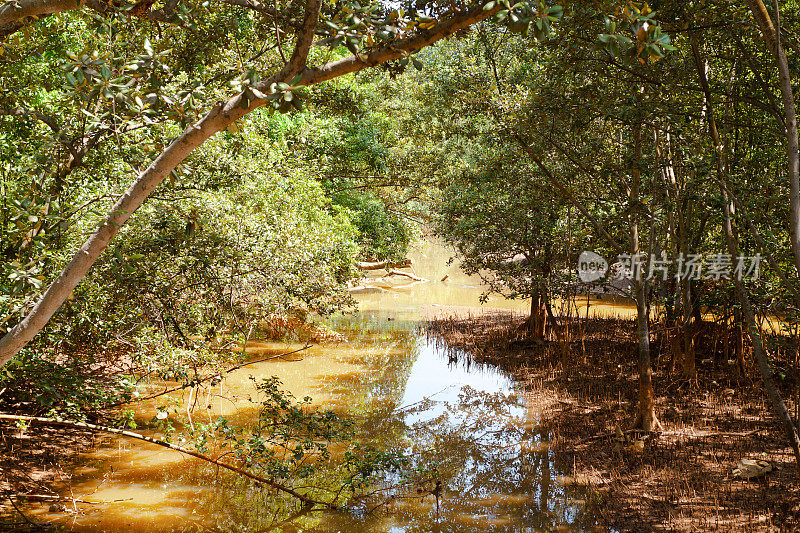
398, 49
138, 436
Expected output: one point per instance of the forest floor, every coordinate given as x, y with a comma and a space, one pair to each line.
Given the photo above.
681, 479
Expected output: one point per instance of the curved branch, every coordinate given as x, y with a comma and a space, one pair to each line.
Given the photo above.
21, 10
398, 49
21, 13
218, 118
138, 436
49, 120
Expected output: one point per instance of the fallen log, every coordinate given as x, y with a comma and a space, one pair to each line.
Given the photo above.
405, 274
377, 265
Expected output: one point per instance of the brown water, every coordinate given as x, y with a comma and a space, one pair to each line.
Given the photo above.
474, 423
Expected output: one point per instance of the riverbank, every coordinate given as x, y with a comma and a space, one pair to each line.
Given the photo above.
678, 480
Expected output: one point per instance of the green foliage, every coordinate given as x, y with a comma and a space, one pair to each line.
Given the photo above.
69, 389
351, 139
506, 227
382, 234
649, 42
283, 438
269, 216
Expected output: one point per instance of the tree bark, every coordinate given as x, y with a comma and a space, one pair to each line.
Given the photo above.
646, 418
21, 13
219, 117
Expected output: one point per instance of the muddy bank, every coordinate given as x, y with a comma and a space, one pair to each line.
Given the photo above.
678, 480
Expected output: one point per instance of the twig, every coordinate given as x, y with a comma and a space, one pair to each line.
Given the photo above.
406, 274
715, 434
28, 520
613, 434
671, 433
580, 406
425, 399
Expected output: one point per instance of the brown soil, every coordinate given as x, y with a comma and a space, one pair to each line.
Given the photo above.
681, 481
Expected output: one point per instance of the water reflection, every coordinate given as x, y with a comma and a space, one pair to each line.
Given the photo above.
469, 427
473, 428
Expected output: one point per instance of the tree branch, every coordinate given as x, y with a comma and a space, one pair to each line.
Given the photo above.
219, 117
567, 194
21, 13
130, 434
398, 49
216, 119
49, 120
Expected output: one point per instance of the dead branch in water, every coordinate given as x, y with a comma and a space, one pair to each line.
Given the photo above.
406, 274
377, 265
57, 498
130, 434
195, 382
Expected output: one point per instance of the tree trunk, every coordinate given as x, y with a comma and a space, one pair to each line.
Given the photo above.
755, 338
772, 36
646, 418
733, 249
214, 121
681, 339
533, 320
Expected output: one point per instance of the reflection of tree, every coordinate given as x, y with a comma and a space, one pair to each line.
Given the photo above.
497, 472
390, 348
494, 470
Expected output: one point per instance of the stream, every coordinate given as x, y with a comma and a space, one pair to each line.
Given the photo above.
473, 422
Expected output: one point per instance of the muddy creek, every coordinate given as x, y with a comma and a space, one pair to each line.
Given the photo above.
478, 426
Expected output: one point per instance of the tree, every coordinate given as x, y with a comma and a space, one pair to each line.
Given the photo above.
506, 226
373, 36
